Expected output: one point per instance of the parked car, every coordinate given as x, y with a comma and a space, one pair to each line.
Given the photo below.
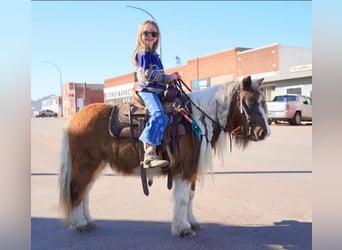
47, 113
292, 108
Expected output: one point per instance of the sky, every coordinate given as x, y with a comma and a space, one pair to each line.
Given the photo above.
90, 41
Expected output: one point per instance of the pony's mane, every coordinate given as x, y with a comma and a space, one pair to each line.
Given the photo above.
214, 101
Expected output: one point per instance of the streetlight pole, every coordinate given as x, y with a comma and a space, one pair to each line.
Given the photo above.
60, 82
148, 13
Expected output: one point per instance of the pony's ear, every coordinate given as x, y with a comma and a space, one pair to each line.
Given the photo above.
259, 81
247, 82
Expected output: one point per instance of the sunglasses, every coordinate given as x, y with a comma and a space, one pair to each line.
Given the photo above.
153, 33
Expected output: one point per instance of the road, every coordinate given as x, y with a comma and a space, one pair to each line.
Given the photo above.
259, 198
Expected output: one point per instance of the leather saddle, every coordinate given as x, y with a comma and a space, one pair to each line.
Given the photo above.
126, 118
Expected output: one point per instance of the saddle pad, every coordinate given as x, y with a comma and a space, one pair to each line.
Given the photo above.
119, 120
126, 109
115, 126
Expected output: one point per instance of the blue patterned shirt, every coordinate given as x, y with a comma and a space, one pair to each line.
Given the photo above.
150, 70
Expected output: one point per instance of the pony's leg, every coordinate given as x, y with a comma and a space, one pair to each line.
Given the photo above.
81, 183
180, 223
86, 211
80, 215
191, 218
77, 173
77, 219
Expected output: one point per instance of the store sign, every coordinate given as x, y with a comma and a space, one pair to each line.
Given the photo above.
300, 68
203, 84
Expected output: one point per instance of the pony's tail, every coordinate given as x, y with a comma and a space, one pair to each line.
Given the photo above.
65, 178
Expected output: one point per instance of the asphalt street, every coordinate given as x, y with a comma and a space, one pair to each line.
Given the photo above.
259, 198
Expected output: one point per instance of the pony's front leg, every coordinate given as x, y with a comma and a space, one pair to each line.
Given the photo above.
180, 224
191, 218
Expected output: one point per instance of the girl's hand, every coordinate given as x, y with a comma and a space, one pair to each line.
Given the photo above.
175, 76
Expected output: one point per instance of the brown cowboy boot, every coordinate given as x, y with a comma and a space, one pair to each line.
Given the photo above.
151, 159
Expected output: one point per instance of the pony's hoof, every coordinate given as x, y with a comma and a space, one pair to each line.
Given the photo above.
92, 225
84, 229
187, 233
196, 226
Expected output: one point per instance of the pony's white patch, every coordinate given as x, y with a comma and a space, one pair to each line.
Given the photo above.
86, 211
181, 196
191, 218
262, 111
222, 143
77, 218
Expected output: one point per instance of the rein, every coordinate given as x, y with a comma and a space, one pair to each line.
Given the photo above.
179, 84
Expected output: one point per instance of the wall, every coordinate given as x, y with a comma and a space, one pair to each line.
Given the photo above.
258, 60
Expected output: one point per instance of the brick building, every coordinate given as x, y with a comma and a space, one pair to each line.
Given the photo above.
77, 95
285, 69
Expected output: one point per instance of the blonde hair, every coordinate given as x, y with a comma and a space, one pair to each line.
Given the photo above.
140, 43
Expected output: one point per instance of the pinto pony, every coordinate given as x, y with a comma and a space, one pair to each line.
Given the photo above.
233, 110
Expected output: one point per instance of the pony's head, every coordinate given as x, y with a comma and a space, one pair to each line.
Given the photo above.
237, 108
247, 118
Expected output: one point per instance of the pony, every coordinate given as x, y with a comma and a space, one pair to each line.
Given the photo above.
234, 109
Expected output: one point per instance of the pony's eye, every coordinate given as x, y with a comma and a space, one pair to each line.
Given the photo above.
251, 103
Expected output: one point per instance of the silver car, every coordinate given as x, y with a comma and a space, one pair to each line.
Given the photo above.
47, 113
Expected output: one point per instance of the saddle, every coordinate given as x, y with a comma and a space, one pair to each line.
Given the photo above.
126, 118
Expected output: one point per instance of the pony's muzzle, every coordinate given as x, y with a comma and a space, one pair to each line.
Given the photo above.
260, 134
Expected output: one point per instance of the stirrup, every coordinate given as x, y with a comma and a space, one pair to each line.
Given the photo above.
152, 161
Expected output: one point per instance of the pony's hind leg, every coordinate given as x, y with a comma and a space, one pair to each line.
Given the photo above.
77, 219
81, 183
86, 212
81, 217
180, 224
81, 162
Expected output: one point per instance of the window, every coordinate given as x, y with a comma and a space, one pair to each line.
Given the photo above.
294, 91
200, 84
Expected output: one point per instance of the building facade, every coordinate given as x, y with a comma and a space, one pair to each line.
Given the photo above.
52, 102
77, 95
120, 89
284, 69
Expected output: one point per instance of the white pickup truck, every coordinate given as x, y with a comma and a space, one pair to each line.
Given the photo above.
292, 108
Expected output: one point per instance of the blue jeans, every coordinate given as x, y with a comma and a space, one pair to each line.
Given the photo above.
156, 125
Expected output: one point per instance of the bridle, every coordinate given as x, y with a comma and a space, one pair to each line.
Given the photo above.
245, 110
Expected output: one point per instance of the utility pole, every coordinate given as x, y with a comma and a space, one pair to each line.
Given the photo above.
60, 83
